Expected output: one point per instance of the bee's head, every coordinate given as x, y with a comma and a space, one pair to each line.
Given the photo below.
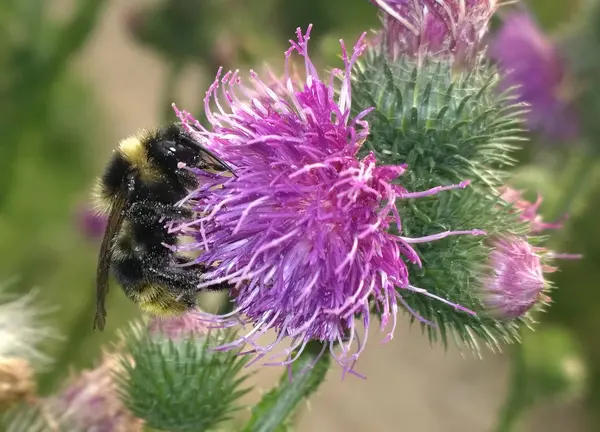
173, 145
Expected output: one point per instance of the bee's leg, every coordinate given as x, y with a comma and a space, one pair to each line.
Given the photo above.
176, 278
200, 270
150, 212
183, 279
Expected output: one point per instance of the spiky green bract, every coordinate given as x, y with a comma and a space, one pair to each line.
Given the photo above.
180, 385
276, 407
448, 127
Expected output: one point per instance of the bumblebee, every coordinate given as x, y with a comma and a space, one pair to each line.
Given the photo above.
139, 190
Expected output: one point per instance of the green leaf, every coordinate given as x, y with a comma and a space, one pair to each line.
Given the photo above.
276, 407
181, 385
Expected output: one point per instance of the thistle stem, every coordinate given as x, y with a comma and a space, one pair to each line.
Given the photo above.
515, 403
277, 407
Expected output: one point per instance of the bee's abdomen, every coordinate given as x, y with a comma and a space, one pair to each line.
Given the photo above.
129, 271
144, 288
128, 266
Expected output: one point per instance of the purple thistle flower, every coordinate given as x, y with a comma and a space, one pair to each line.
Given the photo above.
516, 280
302, 230
439, 27
91, 402
532, 62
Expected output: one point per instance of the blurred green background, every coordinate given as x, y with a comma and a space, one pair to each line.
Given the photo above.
77, 76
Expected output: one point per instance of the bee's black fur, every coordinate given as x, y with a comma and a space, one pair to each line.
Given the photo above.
151, 183
115, 174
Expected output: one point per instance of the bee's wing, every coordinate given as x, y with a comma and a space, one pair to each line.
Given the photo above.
115, 220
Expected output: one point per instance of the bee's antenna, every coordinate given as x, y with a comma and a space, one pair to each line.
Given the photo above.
218, 159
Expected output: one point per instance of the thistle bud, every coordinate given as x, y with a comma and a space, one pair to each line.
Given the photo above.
516, 280
446, 28
91, 401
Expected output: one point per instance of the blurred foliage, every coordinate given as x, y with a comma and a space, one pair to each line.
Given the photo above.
553, 365
52, 128
552, 14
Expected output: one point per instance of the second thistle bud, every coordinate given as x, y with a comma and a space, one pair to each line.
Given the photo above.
516, 278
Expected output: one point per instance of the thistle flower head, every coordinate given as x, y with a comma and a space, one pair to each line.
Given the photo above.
516, 279
533, 64
439, 27
91, 402
301, 232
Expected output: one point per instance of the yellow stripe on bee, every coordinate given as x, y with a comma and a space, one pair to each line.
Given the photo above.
134, 150
158, 300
